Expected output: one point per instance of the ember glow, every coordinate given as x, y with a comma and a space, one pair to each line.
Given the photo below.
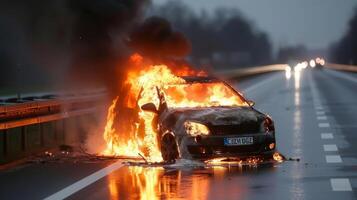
277, 157
234, 161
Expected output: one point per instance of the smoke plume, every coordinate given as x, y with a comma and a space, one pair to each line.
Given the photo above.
156, 38
65, 42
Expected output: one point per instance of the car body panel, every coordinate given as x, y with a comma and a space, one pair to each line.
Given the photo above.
222, 121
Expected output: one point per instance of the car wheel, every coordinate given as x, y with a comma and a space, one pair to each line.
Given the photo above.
169, 149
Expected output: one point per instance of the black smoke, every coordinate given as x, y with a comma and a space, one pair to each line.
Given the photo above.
156, 38
65, 42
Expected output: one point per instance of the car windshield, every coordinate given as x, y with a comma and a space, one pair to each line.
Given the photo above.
201, 95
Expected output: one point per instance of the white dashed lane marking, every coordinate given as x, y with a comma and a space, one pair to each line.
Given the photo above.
337, 184
340, 184
333, 159
326, 136
321, 118
324, 125
318, 108
320, 113
330, 147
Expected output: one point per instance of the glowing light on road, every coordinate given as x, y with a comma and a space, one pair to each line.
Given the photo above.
288, 72
312, 63
322, 62
304, 64
297, 73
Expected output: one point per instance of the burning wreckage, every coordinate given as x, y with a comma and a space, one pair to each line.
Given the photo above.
185, 114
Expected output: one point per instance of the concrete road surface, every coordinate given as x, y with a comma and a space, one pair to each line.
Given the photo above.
315, 113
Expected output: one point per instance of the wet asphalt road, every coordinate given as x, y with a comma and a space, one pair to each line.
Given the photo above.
315, 114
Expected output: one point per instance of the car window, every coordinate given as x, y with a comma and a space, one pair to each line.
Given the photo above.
201, 95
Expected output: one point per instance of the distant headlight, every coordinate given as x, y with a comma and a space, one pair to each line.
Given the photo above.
194, 128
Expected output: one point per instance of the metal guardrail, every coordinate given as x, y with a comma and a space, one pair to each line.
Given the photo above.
341, 67
38, 111
242, 72
45, 118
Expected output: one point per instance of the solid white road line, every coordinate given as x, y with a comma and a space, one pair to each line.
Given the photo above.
333, 159
75, 187
324, 125
340, 184
321, 118
320, 113
330, 147
326, 136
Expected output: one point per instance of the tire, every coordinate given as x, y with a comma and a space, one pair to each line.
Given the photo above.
169, 150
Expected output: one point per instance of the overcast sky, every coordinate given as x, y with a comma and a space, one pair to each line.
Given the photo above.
313, 23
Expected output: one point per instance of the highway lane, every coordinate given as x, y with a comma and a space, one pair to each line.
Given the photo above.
315, 113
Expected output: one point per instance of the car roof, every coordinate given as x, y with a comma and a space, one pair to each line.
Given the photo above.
199, 79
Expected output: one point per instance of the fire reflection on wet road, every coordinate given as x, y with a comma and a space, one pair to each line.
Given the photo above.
296, 190
135, 182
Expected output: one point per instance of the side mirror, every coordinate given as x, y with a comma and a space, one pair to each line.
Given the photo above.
251, 103
150, 107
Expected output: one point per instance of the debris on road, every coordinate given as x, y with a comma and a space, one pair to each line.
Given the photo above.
70, 154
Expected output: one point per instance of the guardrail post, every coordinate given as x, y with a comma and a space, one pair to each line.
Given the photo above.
2, 146
48, 134
58, 131
33, 137
13, 143
23, 139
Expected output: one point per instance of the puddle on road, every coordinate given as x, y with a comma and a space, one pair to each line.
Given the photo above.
185, 179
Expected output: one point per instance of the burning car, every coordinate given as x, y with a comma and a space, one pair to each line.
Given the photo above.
203, 118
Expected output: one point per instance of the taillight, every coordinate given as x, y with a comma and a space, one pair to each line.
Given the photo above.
268, 125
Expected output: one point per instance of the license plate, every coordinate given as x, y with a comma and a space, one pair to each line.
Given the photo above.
238, 141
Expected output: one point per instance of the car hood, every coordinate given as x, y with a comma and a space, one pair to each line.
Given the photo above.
219, 115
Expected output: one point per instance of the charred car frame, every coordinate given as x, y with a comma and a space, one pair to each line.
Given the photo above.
211, 132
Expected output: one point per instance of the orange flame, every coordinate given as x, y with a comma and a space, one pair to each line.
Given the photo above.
114, 146
145, 81
201, 95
